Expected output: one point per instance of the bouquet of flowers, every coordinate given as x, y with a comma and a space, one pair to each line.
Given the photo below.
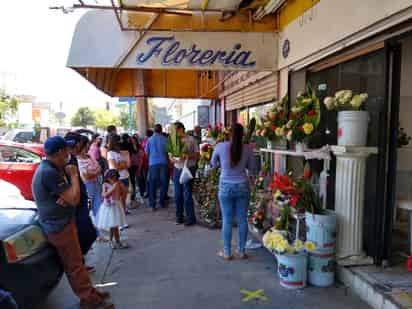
206, 151
304, 117
278, 243
175, 145
273, 124
344, 100
299, 193
257, 218
214, 131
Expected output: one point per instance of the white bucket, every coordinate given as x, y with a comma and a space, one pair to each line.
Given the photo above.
353, 128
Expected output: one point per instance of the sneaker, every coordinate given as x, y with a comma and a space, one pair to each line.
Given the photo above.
124, 227
179, 222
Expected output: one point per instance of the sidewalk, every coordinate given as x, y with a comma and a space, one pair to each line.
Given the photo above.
176, 267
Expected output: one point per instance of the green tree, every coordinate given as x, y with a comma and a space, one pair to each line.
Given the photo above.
104, 118
124, 118
8, 106
84, 117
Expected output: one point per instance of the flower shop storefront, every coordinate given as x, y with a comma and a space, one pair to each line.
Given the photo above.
380, 68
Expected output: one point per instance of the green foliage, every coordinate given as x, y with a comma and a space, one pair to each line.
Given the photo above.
124, 118
104, 118
175, 146
8, 106
83, 117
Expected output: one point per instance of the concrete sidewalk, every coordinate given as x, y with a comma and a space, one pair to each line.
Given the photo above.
176, 267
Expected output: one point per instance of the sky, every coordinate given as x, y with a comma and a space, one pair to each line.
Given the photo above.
35, 43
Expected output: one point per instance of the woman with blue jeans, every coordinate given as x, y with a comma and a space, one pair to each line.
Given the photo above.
234, 159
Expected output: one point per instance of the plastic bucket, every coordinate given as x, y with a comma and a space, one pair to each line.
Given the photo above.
321, 268
292, 270
353, 128
321, 229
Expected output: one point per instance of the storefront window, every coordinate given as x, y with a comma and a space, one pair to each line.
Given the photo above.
363, 74
243, 117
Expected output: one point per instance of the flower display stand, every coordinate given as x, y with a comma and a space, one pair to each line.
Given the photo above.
349, 202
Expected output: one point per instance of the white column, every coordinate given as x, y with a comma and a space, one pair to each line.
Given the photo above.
350, 198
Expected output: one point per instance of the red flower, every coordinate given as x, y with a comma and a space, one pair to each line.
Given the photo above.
273, 127
209, 126
292, 116
312, 113
301, 128
281, 114
283, 183
294, 200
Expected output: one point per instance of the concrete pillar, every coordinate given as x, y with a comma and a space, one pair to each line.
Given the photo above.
350, 198
142, 113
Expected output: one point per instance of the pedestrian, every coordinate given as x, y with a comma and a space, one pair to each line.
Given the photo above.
56, 190
139, 158
85, 227
156, 149
128, 144
183, 192
111, 215
90, 170
95, 151
110, 131
234, 159
149, 134
197, 134
118, 160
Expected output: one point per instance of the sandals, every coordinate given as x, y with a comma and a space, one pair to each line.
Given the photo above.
242, 256
119, 245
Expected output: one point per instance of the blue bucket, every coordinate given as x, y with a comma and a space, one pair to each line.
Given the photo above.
292, 270
321, 268
321, 229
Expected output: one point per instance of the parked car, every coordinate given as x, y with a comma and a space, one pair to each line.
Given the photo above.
29, 267
19, 136
18, 162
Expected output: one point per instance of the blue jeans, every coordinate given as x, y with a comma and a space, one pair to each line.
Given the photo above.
234, 197
158, 177
183, 198
94, 192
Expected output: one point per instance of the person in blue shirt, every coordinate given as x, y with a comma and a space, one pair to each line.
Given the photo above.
156, 149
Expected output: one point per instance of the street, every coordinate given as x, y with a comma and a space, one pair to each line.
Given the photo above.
171, 266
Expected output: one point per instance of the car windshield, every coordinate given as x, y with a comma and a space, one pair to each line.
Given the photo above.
9, 135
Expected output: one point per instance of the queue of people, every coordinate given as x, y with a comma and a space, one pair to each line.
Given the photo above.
81, 190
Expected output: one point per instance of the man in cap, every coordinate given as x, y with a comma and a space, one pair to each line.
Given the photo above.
56, 191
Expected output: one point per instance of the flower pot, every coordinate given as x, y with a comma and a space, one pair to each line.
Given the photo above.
353, 128
300, 147
292, 270
321, 229
321, 267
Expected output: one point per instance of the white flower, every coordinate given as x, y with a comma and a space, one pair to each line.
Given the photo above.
329, 103
289, 136
289, 124
296, 109
299, 95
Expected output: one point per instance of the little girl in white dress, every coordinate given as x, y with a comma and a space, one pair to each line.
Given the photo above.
111, 214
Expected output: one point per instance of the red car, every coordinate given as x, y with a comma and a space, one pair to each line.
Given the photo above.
18, 162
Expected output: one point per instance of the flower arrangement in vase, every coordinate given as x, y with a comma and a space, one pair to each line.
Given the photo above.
304, 117
273, 123
352, 120
206, 151
277, 242
214, 131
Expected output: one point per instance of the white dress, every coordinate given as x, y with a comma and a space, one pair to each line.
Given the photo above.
111, 214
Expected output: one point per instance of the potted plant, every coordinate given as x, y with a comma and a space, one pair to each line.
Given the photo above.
303, 119
273, 123
352, 120
291, 258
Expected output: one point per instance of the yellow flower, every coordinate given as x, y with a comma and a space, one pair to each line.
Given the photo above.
290, 249
310, 246
277, 194
308, 128
298, 245
282, 246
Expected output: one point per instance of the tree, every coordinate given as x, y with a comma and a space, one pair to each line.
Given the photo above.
8, 106
104, 118
84, 117
124, 118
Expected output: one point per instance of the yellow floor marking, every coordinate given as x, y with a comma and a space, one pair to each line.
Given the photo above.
407, 296
253, 295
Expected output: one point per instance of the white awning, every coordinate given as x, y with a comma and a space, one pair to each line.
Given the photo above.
98, 42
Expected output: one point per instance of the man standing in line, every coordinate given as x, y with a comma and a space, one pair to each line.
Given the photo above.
56, 191
156, 149
183, 192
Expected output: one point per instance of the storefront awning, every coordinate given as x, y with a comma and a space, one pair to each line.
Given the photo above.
163, 63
